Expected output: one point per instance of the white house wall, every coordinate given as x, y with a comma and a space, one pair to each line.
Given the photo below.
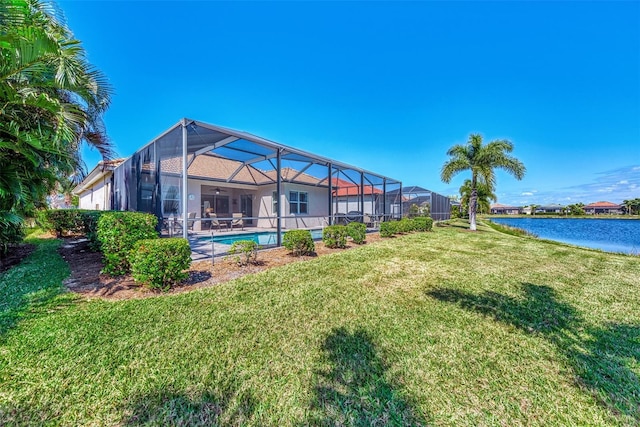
96, 197
345, 205
318, 207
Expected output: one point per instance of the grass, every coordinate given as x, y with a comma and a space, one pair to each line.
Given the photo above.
441, 328
507, 229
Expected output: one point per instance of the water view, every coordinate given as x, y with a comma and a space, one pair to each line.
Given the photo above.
612, 235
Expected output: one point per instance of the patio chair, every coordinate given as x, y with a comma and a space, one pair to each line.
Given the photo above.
237, 220
191, 220
214, 221
368, 221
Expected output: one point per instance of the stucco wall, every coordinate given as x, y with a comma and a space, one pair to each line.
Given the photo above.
97, 197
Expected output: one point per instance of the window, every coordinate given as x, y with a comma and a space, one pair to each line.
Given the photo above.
274, 203
171, 201
298, 202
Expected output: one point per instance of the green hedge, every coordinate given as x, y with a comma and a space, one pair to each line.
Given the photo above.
405, 225
65, 221
335, 236
117, 234
423, 223
160, 263
61, 221
357, 231
388, 228
299, 242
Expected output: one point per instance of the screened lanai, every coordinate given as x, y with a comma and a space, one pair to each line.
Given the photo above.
200, 177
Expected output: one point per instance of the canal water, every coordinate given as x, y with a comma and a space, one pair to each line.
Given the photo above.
612, 235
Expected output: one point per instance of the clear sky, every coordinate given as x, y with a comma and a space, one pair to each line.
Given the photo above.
387, 86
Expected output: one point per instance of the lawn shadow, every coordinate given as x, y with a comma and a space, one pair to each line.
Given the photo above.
354, 391
599, 356
28, 290
167, 408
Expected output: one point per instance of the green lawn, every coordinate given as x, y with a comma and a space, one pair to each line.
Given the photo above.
441, 328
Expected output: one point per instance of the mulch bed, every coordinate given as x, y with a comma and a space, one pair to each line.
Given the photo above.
15, 255
87, 281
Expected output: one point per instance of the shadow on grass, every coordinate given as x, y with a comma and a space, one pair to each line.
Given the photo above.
31, 287
599, 356
166, 408
354, 391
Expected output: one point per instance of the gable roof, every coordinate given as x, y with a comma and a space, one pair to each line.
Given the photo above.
103, 168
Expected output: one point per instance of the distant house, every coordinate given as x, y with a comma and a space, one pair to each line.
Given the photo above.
94, 192
543, 209
498, 209
606, 208
553, 208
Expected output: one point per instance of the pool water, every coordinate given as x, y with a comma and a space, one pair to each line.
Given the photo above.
265, 238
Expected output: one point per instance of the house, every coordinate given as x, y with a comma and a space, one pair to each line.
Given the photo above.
599, 208
197, 172
498, 209
94, 192
552, 208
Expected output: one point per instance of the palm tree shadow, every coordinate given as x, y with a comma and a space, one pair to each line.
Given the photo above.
353, 390
599, 356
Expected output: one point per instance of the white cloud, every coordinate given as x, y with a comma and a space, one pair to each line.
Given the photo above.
527, 193
624, 181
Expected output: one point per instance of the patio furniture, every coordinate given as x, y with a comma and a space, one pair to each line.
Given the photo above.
237, 220
369, 221
215, 222
191, 220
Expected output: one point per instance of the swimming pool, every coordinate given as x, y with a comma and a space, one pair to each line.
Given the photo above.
263, 238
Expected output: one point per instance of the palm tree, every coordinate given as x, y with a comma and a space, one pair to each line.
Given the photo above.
485, 195
51, 99
631, 206
481, 160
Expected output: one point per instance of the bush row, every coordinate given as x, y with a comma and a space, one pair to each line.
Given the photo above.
335, 236
405, 225
65, 221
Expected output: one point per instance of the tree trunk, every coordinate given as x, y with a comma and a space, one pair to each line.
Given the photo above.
473, 203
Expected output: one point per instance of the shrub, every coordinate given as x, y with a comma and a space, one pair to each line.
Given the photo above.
245, 251
160, 263
423, 223
299, 242
90, 227
117, 234
405, 225
11, 231
357, 231
388, 228
41, 217
335, 236
63, 221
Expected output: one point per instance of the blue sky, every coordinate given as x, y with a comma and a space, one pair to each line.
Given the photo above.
387, 86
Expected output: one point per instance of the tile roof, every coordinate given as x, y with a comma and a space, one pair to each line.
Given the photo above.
602, 204
346, 188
